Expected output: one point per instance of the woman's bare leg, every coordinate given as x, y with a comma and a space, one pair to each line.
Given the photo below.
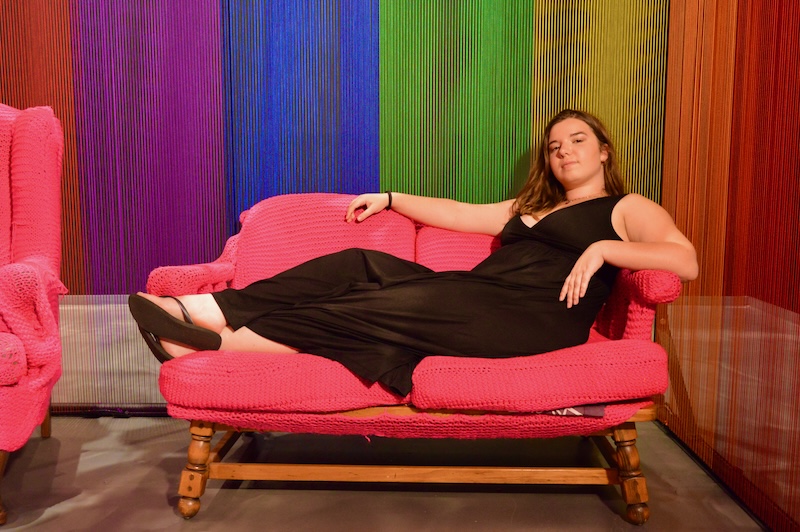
244, 339
205, 312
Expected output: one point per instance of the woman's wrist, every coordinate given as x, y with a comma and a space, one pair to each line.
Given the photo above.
389, 205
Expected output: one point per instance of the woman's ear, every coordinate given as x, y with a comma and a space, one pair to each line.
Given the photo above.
603, 153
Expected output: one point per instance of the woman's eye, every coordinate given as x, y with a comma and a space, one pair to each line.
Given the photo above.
554, 149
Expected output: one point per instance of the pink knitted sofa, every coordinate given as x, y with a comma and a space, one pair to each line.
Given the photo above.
596, 389
31, 144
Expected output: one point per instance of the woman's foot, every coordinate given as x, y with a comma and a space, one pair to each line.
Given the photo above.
171, 330
202, 308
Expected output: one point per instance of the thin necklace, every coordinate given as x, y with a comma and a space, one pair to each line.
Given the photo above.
568, 201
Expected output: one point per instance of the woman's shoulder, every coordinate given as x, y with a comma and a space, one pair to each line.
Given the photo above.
636, 203
640, 217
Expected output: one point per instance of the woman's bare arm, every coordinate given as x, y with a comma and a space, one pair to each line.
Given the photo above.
650, 241
485, 218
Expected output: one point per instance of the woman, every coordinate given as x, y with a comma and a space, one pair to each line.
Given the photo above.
563, 238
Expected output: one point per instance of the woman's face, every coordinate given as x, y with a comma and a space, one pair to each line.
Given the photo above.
575, 155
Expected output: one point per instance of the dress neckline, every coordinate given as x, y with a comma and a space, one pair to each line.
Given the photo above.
555, 211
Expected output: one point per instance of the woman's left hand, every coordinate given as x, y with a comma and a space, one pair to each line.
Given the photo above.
371, 203
585, 267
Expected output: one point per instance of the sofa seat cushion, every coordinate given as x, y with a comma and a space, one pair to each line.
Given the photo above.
260, 382
13, 363
598, 372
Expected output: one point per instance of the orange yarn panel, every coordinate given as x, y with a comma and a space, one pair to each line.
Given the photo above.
36, 69
731, 161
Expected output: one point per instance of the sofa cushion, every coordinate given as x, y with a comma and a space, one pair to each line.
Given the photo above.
283, 231
267, 382
592, 373
12, 359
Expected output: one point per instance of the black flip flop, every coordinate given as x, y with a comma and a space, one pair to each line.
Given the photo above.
155, 346
159, 323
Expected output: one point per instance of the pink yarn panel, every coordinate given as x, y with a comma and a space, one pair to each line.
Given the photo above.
592, 373
421, 425
283, 231
442, 250
267, 382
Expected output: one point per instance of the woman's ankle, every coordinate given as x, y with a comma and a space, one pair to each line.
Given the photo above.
205, 312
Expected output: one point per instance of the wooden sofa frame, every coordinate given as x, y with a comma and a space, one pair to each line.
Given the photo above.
206, 463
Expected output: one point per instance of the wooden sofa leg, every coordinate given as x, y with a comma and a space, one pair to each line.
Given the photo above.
195, 474
3, 461
632, 482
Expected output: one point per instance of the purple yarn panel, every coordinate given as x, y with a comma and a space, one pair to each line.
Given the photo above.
150, 137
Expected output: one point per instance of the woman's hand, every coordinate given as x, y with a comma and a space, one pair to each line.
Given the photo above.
585, 267
372, 204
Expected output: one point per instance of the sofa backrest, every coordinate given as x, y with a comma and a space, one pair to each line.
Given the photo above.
283, 231
441, 250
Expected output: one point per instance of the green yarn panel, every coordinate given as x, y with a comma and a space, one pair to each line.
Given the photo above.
466, 88
608, 58
455, 97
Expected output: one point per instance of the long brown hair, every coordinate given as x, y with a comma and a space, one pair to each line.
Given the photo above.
542, 192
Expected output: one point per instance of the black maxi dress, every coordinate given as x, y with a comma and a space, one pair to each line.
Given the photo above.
379, 315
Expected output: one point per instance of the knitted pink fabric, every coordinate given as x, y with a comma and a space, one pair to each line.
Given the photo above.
288, 392
30, 158
13, 364
7, 117
259, 382
441, 250
284, 231
421, 425
593, 373
631, 309
196, 278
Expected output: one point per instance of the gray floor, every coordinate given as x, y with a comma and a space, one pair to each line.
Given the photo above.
117, 475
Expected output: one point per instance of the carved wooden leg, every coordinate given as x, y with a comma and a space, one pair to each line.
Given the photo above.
3, 461
195, 474
634, 488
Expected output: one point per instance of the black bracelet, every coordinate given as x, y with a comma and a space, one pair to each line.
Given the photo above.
389, 206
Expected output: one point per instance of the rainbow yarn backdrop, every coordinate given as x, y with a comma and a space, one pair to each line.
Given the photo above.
179, 115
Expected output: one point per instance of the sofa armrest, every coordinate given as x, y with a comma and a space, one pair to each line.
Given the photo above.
28, 293
630, 310
195, 278
652, 287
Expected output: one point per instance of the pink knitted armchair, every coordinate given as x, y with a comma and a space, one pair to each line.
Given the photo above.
31, 145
